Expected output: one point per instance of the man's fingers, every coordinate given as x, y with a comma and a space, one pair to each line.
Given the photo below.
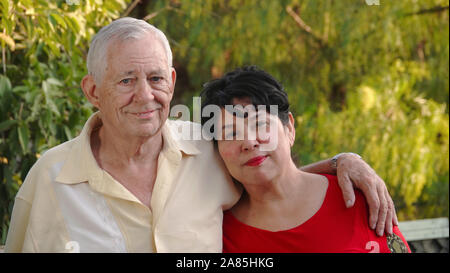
347, 190
394, 218
373, 201
390, 213
383, 211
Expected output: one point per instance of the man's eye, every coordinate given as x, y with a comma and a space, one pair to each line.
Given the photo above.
155, 79
126, 81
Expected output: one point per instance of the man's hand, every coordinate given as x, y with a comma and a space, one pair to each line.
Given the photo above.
353, 171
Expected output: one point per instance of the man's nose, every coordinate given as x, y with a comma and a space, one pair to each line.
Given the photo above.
143, 92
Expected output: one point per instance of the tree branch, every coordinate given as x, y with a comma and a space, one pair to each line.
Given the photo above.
305, 27
131, 7
155, 13
430, 10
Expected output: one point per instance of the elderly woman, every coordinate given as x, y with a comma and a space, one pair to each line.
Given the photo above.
282, 209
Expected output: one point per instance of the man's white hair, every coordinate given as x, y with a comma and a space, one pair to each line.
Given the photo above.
120, 30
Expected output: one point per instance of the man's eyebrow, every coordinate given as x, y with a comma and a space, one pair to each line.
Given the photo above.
156, 71
132, 72
127, 73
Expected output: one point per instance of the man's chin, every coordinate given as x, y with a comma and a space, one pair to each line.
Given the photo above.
148, 131
145, 129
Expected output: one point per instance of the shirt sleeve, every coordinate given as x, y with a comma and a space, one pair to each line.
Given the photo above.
18, 226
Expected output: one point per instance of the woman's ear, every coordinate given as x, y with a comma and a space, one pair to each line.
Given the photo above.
90, 90
291, 129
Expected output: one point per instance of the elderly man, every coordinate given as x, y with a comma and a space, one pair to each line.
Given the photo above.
126, 184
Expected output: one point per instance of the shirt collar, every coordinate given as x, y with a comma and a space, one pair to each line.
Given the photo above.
81, 166
174, 141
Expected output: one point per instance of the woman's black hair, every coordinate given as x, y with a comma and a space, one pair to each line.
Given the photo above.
247, 82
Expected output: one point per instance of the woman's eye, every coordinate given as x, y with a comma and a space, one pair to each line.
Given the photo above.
230, 136
261, 123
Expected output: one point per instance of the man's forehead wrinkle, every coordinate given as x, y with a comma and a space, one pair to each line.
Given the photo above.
149, 65
154, 59
146, 70
152, 52
129, 72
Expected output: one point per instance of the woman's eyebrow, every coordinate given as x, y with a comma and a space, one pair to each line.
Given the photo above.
227, 126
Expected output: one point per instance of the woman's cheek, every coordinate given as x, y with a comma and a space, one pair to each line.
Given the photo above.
226, 153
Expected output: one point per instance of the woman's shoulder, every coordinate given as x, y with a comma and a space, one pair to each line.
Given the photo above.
335, 203
335, 198
333, 186
331, 178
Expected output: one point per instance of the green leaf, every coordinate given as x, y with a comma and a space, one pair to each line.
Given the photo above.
51, 104
59, 20
24, 137
21, 89
5, 125
54, 48
5, 85
54, 81
67, 132
36, 106
73, 24
8, 40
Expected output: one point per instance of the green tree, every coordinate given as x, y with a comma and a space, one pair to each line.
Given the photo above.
44, 44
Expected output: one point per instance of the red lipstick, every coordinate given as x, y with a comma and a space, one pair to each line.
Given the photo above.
256, 161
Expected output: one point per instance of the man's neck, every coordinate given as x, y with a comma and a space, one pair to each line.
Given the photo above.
132, 162
112, 149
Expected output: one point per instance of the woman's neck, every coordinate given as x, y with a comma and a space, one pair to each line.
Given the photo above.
279, 189
284, 203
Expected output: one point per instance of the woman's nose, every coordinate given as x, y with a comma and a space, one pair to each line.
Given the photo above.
250, 145
254, 139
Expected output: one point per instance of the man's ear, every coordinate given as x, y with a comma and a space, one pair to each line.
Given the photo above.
90, 90
291, 129
173, 75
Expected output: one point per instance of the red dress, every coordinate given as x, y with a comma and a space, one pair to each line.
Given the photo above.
333, 229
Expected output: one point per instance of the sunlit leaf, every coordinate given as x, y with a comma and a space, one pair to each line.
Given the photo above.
24, 137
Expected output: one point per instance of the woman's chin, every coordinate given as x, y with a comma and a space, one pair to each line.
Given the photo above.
256, 178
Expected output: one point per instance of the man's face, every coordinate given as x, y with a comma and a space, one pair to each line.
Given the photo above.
135, 93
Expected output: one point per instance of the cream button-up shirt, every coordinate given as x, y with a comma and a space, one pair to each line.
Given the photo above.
69, 204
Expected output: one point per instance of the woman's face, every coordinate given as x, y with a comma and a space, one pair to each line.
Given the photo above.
261, 150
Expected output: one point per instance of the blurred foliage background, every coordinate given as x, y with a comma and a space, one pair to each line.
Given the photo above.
371, 79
